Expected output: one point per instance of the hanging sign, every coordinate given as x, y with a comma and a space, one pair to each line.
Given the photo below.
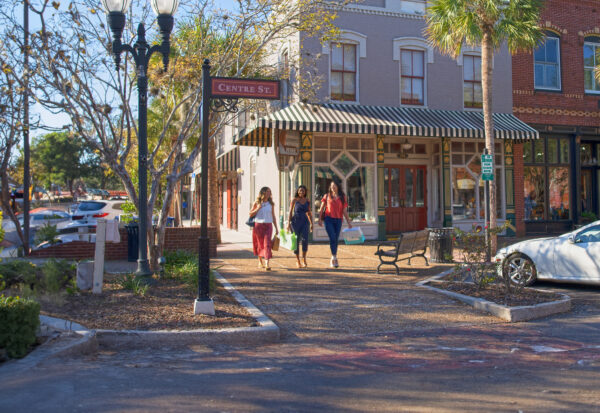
234, 88
487, 167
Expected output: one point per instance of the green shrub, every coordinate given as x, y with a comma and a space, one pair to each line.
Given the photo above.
18, 272
135, 285
19, 321
183, 265
56, 275
47, 233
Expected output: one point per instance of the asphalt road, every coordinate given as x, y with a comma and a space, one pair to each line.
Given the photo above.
352, 341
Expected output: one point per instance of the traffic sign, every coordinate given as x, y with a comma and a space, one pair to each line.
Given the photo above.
487, 167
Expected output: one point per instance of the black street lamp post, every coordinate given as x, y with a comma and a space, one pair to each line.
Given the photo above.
141, 53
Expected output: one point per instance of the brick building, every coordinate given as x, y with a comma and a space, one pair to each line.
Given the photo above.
555, 92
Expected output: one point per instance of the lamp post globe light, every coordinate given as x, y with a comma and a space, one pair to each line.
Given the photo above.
141, 52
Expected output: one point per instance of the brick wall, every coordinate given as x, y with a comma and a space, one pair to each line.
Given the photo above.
573, 20
519, 194
180, 238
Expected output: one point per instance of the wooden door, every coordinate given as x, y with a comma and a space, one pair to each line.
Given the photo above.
405, 197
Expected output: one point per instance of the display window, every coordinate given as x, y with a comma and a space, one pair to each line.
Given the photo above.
350, 161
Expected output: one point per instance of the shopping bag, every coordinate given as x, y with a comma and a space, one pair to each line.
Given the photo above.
250, 222
275, 243
353, 235
288, 240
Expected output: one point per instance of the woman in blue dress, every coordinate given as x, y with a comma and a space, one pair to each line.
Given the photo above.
301, 223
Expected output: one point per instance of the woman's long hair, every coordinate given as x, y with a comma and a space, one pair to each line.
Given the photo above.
297, 195
340, 192
261, 195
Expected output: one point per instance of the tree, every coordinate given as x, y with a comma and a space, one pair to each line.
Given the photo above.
11, 106
73, 73
58, 158
488, 24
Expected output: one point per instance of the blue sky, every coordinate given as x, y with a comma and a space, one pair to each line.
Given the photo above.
59, 120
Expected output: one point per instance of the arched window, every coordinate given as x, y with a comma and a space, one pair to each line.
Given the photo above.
547, 63
591, 61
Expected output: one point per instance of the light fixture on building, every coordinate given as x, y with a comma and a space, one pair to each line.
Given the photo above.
405, 146
240, 171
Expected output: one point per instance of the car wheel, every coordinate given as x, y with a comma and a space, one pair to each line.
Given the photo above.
520, 269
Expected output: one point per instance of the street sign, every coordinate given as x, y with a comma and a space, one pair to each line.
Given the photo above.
233, 88
487, 167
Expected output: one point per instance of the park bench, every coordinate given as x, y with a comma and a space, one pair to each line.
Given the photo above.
413, 243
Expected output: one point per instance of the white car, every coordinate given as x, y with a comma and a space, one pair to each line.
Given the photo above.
87, 212
571, 257
38, 218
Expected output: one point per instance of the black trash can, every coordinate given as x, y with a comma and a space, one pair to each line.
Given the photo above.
133, 242
440, 244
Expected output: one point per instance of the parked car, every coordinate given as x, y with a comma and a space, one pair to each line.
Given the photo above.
571, 257
39, 217
86, 213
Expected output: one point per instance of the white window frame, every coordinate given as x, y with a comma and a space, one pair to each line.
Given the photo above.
415, 44
558, 65
360, 41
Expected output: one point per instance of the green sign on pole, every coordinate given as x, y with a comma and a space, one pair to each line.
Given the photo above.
487, 168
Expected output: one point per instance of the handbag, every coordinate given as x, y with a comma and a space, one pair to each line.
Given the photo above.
250, 222
275, 243
322, 215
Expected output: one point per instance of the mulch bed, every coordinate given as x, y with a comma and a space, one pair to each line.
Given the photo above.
167, 305
496, 293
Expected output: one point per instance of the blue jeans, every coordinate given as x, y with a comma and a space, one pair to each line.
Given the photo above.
333, 226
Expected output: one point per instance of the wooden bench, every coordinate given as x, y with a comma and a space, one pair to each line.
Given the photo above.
413, 243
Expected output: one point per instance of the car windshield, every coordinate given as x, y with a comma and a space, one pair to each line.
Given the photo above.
91, 206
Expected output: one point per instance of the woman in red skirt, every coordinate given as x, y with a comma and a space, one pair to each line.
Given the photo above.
262, 233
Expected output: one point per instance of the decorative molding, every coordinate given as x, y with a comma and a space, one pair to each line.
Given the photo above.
381, 12
594, 31
523, 92
350, 36
418, 42
556, 112
549, 25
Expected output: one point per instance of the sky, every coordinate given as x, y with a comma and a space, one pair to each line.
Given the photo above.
60, 120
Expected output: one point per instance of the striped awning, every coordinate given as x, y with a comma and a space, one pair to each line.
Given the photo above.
260, 137
229, 161
390, 120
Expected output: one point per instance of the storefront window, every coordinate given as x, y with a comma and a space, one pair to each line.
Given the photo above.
361, 197
535, 197
546, 179
351, 162
467, 187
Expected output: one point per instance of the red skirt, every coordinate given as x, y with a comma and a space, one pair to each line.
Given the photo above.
261, 240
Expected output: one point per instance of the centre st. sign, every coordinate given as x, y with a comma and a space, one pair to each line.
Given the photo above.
233, 88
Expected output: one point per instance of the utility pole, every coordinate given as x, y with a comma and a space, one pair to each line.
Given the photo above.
26, 177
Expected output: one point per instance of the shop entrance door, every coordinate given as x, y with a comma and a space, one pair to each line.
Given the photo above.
405, 190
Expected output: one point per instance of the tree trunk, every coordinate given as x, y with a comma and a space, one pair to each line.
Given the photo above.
486, 83
213, 190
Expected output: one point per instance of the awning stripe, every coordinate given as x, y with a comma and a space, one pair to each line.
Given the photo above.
387, 120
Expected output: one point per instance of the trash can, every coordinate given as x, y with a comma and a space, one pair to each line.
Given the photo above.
133, 242
440, 244
170, 221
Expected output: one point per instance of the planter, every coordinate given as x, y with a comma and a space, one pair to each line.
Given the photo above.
508, 313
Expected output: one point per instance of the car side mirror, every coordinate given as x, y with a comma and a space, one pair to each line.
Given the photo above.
572, 239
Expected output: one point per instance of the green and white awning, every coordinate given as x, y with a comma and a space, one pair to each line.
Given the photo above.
391, 120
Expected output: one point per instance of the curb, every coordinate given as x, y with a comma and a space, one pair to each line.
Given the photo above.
266, 332
511, 314
72, 339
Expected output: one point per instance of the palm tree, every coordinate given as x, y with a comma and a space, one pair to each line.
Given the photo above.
487, 24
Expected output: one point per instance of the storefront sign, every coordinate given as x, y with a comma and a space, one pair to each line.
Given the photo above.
487, 167
233, 88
